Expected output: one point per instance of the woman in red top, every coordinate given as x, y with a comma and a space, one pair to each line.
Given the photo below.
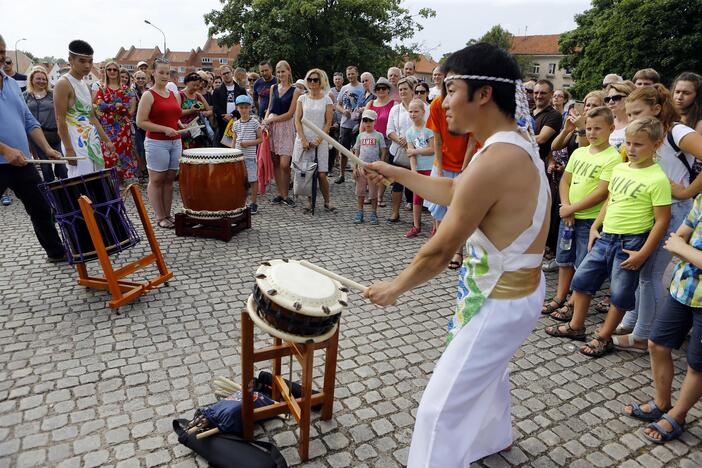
158, 114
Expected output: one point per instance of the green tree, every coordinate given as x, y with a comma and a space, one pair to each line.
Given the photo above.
318, 33
503, 39
623, 36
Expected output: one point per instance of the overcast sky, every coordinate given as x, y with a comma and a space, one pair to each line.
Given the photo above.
50, 25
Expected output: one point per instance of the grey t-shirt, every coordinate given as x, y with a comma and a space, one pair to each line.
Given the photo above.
369, 145
349, 97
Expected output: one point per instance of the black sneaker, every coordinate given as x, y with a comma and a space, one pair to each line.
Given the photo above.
59, 259
253, 208
289, 202
339, 180
277, 200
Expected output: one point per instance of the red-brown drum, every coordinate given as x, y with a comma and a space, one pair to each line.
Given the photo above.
212, 182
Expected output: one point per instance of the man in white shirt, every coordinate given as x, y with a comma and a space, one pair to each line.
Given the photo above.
438, 78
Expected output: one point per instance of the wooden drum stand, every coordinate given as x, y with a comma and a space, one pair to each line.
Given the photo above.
122, 291
300, 408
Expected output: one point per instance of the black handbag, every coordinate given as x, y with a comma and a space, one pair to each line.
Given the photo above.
230, 451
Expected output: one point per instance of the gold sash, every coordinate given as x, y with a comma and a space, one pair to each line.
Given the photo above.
517, 284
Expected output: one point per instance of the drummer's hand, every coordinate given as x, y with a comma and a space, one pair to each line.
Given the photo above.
14, 157
71, 153
380, 171
53, 154
381, 293
169, 132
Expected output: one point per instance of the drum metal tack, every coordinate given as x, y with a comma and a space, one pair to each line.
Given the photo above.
261, 276
286, 260
297, 306
344, 289
266, 264
343, 303
326, 310
272, 292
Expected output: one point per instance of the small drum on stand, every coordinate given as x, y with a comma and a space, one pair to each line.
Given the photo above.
213, 190
295, 303
102, 188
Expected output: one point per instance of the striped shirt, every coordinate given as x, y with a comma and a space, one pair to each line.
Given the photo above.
246, 131
686, 287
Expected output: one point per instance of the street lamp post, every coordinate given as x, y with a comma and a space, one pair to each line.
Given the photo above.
17, 55
159, 29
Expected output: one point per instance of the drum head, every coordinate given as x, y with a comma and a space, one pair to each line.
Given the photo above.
211, 155
297, 288
252, 309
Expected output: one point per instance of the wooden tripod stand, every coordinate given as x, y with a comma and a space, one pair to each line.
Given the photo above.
122, 291
300, 408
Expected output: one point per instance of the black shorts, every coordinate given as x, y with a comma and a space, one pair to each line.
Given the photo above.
347, 137
672, 325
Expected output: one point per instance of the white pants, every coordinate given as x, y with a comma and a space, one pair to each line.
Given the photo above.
465, 412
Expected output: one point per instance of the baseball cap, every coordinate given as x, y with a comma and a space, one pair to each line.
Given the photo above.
142, 63
243, 99
369, 114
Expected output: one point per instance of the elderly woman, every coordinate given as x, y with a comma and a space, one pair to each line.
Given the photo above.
368, 82
40, 101
317, 107
394, 75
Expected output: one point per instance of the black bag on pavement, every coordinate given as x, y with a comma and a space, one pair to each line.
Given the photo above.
230, 451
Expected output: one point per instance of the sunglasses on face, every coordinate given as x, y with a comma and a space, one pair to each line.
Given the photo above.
312, 80
8, 62
615, 98
420, 91
366, 120
382, 88
113, 70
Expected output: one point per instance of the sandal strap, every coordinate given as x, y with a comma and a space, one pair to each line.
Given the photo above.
677, 428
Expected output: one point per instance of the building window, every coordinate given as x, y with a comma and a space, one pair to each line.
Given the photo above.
567, 72
535, 68
181, 69
206, 60
551, 68
223, 61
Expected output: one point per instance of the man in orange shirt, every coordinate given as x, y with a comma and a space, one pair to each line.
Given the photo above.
452, 154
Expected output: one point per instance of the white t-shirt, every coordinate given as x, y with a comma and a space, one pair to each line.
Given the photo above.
231, 100
171, 86
434, 92
399, 122
617, 137
668, 160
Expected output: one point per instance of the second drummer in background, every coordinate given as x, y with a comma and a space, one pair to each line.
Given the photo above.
247, 135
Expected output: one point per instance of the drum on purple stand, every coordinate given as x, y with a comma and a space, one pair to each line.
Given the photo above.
102, 188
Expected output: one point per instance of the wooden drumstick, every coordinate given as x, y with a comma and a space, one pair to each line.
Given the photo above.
344, 281
47, 161
205, 434
187, 129
320, 133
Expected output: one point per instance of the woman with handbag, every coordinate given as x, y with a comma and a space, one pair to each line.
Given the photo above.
398, 123
317, 107
40, 101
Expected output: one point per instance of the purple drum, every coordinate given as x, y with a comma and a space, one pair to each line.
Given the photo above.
102, 188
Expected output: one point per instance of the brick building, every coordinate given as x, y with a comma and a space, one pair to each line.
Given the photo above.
545, 58
209, 57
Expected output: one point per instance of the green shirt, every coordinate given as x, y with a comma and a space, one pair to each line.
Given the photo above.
587, 170
632, 195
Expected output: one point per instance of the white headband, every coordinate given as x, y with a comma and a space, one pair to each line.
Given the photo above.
79, 54
522, 114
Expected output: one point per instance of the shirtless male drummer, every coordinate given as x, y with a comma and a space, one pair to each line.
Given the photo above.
499, 208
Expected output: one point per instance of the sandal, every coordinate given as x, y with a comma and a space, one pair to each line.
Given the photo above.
569, 332
563, 314
628, 343
456, 264
654, 413
166, 223
666, 436
602, 307
548, 307
331, 209
598, 347
381, 204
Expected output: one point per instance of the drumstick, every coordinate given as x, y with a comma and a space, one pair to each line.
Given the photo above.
320, 133
344, 281
211, 432
67, 158
47, 161
187, 129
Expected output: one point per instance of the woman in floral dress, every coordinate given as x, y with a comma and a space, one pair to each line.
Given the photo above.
115, 105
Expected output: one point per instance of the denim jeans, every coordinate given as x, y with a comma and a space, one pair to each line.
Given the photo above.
604, 260
651, 294
578, 248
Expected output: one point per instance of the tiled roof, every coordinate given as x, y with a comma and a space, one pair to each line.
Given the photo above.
134, 54
178, 57
541, 44
425, 64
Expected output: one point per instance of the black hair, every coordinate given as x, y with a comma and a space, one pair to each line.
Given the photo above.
265, 62
548, 83
192, 76
423, 84
79, 47
490, 61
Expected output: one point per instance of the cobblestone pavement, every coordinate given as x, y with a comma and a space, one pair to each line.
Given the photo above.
82, 387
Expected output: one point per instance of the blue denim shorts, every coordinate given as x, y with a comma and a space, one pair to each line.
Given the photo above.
671, 326
251, 169
604, 260
578, 249
162, 155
